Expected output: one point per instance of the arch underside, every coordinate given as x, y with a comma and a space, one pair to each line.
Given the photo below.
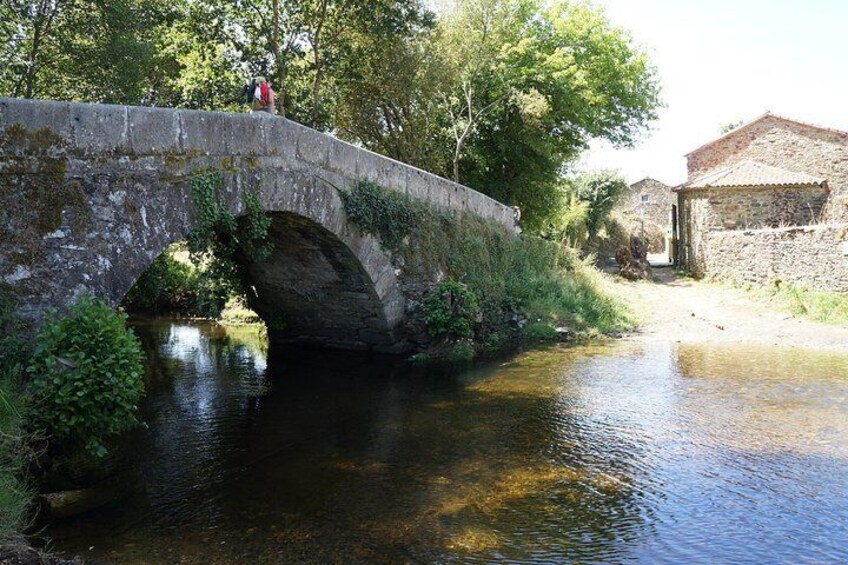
314, 290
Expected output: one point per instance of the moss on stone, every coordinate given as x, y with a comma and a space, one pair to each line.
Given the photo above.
33, 171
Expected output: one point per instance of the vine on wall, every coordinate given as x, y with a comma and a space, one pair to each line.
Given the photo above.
220, 242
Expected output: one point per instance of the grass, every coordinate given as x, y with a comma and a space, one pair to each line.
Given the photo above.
236, 313
528, 277
15, 494
827, 307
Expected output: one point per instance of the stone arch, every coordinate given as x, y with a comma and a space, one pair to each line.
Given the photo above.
325, 283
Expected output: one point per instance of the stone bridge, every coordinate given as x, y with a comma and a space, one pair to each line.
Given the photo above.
91, 194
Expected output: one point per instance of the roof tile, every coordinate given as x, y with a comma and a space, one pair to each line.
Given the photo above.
752, 173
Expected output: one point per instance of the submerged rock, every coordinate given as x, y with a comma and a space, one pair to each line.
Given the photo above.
71, 502
15, 549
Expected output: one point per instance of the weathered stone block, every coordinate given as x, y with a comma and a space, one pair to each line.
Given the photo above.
246, 133
153, 131
343, 158
37, 114
204, 133
313, 147
100, 128
281, 139
419, 184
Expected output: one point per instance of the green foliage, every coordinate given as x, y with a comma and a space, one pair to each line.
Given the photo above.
532, 83
15, 494
171, 286
220, 243
450, 311
827, 307
237, 313
538, 332
379, 212
15, 454
86, 375
600, 190
14, 347
460, 352
166, 286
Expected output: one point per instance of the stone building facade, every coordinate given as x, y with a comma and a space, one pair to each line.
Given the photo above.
772, 173
648, 198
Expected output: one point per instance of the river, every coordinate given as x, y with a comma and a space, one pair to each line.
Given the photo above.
622, 451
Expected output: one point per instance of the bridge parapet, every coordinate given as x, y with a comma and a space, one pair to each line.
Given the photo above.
136, 132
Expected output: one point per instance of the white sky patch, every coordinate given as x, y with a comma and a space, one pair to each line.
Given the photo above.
722, 61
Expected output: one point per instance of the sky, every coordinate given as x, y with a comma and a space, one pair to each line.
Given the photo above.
722, 61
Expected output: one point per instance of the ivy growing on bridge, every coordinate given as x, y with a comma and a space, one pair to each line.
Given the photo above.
388, 215
220, 243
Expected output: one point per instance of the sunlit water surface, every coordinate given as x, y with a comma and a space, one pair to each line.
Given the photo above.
607, 453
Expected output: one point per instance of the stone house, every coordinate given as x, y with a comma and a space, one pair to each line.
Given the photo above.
649, 199
760, 196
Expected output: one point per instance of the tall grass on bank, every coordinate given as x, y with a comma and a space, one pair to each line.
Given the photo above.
827, 307
533, 278
15, 494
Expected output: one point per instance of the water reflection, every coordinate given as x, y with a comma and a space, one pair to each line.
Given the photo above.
604, 453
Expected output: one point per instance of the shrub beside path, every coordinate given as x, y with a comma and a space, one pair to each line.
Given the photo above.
680, 309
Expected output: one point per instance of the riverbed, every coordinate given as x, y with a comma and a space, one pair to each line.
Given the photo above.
650, 451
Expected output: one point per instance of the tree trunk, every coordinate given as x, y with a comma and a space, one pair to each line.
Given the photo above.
319, 65
278, 56
32, 62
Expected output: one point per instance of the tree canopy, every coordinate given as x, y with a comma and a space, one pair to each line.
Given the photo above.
501, 95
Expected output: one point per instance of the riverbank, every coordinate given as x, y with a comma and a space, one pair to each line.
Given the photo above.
683, 310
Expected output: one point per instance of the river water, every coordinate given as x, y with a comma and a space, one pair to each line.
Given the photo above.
626, 451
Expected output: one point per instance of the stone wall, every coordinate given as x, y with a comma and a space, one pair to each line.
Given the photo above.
813, 257
789, 145
759, 207
648, 197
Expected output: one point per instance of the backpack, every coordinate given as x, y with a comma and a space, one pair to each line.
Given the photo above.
260, 97
248, 91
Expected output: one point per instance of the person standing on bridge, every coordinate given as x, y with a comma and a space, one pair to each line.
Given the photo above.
260, 96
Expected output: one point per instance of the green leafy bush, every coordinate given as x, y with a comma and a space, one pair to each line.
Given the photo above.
450, 311
86, 375
165, 286
169, 286
14, 348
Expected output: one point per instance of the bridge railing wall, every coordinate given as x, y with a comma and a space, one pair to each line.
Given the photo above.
128, 131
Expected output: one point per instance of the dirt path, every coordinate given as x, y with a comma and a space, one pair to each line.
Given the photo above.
683, 310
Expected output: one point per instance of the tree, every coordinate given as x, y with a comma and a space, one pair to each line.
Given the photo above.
556, 77
599, 191
472, 37
28, 26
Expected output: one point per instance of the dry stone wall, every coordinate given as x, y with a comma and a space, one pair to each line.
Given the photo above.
814, 257
759, 207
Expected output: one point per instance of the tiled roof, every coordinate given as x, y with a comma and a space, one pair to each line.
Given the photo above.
752, 173
763, 117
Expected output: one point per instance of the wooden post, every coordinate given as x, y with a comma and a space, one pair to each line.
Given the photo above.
672, 249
